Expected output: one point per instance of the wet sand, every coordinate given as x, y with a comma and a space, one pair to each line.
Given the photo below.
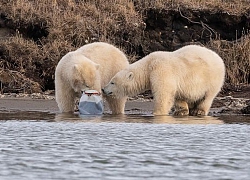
19, 104
46, 109
227, 104
28, 104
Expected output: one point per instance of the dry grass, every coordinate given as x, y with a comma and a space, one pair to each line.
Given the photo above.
16, 82
77, 22
229, 6
237, 59
47, 29
60, 26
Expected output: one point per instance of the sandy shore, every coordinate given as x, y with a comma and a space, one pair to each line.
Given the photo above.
20, 104
43, 103
47, 105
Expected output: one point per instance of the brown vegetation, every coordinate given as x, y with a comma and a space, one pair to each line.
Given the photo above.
35, 34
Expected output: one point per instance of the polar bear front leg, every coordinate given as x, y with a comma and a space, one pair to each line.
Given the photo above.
65, 100
163, 90
163, 102
181, 108
116, 105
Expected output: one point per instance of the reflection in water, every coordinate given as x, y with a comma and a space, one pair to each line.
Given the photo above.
235, 119
26, 115
127, 118
137, 118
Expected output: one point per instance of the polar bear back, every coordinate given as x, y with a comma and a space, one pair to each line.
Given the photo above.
192, 69
110, 59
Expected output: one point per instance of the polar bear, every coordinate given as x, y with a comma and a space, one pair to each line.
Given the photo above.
89, 67
189, 78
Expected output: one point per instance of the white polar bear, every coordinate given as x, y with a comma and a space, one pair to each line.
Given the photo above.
89, 67
189, 78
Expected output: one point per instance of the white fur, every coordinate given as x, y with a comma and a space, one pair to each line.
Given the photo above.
189, 77
89, 67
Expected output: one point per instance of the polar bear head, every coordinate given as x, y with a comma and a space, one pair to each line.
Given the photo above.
84, 76
122, 84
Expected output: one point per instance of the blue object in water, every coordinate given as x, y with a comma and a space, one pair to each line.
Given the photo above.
91, 103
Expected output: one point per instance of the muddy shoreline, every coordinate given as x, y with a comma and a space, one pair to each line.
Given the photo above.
32, 42
138, 105
48, 104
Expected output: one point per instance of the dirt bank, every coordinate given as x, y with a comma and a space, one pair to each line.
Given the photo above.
34, 35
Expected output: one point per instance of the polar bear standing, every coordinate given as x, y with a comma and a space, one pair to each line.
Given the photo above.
89, 67
189, 78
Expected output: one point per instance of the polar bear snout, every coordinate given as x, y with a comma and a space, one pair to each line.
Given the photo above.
106, 92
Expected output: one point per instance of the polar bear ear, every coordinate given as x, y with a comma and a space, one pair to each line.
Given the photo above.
97, 66
75, 67
130, 75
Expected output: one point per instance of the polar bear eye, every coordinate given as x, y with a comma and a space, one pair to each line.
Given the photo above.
112, 83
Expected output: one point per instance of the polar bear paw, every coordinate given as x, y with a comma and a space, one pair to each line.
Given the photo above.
182, 112
197, 112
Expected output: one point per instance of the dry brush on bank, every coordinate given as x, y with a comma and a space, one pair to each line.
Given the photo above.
35, 34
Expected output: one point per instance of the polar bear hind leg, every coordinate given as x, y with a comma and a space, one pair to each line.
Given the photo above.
202, 107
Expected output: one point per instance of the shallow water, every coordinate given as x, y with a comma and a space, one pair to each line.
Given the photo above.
41, 145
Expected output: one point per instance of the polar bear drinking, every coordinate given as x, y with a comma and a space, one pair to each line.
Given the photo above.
89, 67
189, 78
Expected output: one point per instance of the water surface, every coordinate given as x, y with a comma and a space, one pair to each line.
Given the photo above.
41, 145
